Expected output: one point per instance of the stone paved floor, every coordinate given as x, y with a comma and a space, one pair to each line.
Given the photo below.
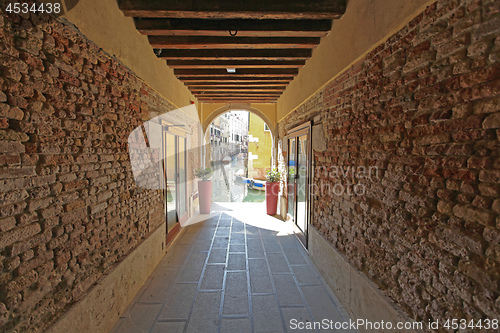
239, 270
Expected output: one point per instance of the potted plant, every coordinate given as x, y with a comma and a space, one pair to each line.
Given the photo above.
204, 189
272, 190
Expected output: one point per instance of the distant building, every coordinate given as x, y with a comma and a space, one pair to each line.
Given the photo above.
229, 135
260, 144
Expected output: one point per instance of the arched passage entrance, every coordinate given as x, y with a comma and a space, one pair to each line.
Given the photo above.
266, 111
242, 150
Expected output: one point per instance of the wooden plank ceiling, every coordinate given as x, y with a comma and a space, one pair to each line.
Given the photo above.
234, 51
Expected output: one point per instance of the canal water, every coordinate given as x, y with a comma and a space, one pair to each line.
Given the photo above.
227, 188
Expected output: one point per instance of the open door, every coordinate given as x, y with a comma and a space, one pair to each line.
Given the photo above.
299, 169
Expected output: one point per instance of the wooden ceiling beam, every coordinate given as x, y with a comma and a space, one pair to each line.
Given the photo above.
269, 72
236, 79
242, 28
233, 9
276, 84
235, 89
237, 93
238, 98
201, 42
235, 64
225, 100
234, 54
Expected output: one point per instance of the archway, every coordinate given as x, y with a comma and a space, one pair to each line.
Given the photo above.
240, 107
242, 150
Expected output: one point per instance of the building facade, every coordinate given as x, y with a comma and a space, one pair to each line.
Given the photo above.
260, 148
228, 135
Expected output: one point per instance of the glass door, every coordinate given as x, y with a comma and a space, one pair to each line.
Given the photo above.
175, 174
181, 179
291, 178
301, 181
299, 160
170, 162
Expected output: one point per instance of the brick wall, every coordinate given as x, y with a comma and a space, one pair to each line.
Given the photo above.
69, 207
422, 110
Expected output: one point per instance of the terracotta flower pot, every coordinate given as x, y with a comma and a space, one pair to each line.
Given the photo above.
272, 191
205, 194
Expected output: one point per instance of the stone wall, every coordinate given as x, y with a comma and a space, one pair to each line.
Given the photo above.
408, 188
69, 206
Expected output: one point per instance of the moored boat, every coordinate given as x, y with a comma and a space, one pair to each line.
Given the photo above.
254, 184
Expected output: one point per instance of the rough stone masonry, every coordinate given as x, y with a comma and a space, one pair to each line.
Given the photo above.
423, 108
69, 207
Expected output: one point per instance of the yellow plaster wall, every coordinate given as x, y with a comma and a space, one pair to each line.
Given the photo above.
263, 148
102, 22
365, 25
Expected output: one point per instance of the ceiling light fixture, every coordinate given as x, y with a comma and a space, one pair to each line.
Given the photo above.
231, 70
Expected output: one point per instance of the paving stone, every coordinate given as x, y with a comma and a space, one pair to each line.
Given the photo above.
277, 263
213, 277
224, 222
236, 262
169, 326
252, 231
266, 314
158, 288
237, 248
187, 238
237, 239
223, 231
212, 220
320, 304
267, 232
305, 274
271, 244
192, 270
236, 294
237, 227
207, 233
180, 301
288, 241
179, 311
220, 242
286, 288
143, 315
166, 265
195, 228
233, 325
177, 254
295, 256
125, 325
294, 316
260, 279
255, 248
205, 316
202, 245
217, 256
